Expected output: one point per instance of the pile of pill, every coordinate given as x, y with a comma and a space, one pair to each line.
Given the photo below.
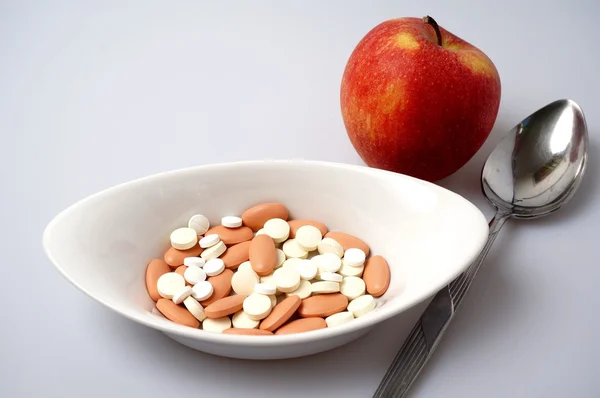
264, 274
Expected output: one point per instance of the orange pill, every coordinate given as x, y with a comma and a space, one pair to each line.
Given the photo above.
231, 236
377, 276
281, 313
348, 241
176, 313
156, 268
175, 257
263, 255
323, 305
236, 254
224, 306
295, 224
248, 332
302, 325
221, 287
256, 217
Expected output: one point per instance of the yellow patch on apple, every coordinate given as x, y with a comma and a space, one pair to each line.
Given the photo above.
406, 41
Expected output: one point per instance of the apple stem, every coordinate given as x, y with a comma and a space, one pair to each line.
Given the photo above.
428, 20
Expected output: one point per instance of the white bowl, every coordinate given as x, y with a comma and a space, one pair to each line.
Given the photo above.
428, 234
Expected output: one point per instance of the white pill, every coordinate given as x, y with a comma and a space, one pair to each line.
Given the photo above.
324, 287
329, 245
183, 238
267, 279
361, 305
280, 259
352, 287
265, 288
278, 229
257, 306
195, 308
307, 269
170, 283
216, 325
291, 248
286, 279
213, 251
303, 290
214, 267
231, 221
331, 277
194, 275
194, 262
260, 232
243, 281
293, 262
241, 320
308, 237
354, 257
202, 290
209, 240
327, 262
339, 319
273, 300
245, 266
348, 270
199, 223
182, 294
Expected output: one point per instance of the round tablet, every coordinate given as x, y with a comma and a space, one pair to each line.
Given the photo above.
354, 257
352, 287
280, 258
303, 290
194, 275
260, 232
348, 270
195, 308
209, 240
362, 305
170, 283
294, 261
214, 267
241, 320
291, 248
194, 261
339, 319
202, 291
183, 238
243, 282
329, 245
265, 288
273, 300
231, 221
327, 262
267, 279
216, 325
199, 223
257, 306
213, 251
245, 266
324, 287
278, 229
286, 279
308, 237
331, 277
307, 269
182, 294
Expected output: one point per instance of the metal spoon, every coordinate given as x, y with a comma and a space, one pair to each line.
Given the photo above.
532, 172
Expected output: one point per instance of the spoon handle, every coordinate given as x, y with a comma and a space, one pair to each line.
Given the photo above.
427, 333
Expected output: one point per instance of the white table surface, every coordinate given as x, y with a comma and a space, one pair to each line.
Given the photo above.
97, 93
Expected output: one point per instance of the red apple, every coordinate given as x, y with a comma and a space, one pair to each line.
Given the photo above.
418, 100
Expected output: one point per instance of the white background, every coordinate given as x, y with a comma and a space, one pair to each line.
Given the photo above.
97, 93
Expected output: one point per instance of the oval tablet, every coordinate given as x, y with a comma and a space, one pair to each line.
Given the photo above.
256, 217
175, 257
348, 241
263, 256
247, 332
323, 305
156, 268
296, 224
221, 287
225, 306
231, 236
176, 313
281, 313
302, 325
236, 254
377, 276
